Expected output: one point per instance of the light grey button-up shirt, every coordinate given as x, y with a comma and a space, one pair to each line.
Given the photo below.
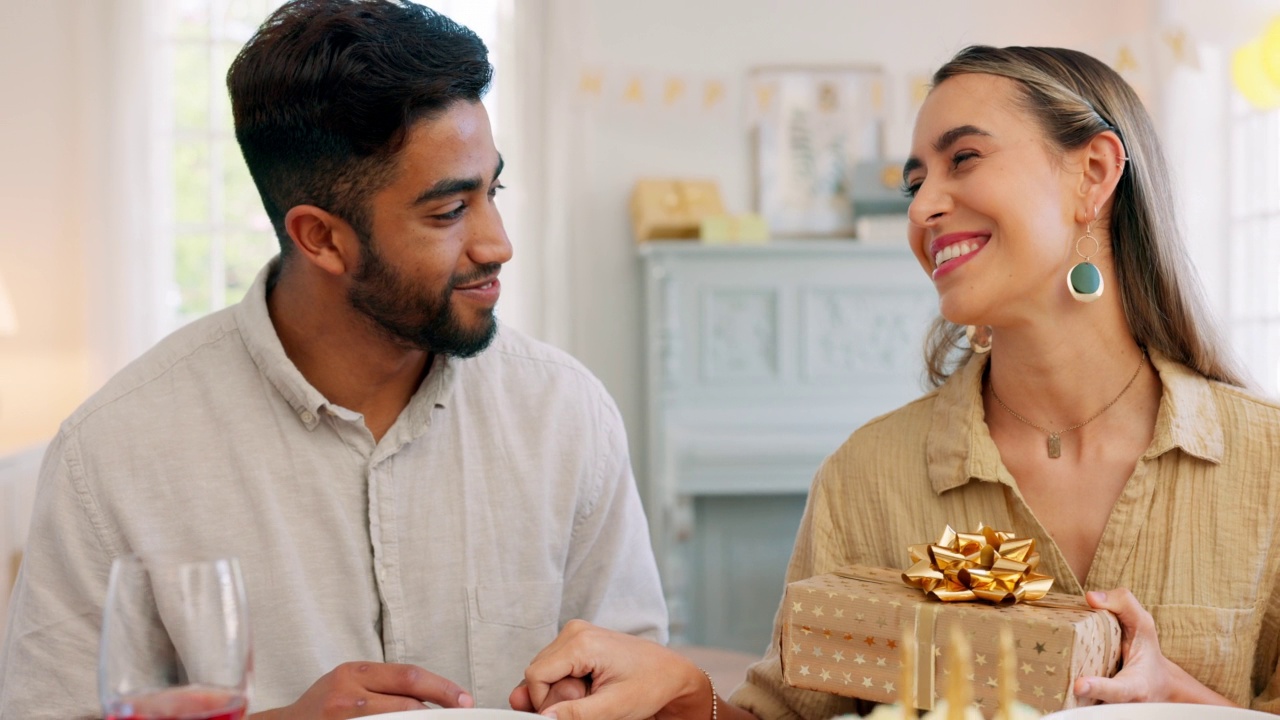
499, 506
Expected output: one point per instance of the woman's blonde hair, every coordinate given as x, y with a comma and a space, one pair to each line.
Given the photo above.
1074, 97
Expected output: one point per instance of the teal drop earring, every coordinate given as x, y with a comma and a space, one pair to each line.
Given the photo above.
1084, 280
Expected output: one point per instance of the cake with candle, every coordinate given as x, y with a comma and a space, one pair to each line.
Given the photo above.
958, 702
841, 630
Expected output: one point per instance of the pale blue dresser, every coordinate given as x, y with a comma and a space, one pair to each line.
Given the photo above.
760, 362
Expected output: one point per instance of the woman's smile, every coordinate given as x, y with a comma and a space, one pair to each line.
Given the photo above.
952, 250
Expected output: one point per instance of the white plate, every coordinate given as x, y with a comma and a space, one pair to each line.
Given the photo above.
460, 714
1157, 711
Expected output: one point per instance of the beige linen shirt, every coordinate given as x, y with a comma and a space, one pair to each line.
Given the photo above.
1193, 535
499, 506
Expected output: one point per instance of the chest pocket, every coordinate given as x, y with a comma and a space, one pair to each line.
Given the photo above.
508, 623
1215, 645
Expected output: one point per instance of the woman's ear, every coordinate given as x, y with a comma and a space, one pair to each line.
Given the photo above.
324, 239
1103, 162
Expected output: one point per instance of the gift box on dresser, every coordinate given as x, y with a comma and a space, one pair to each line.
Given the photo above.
842, 633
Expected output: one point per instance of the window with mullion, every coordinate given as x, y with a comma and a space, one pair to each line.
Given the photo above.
1254, 241
221, 235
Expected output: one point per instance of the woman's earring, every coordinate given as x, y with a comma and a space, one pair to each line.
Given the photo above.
979, 337
1084, 280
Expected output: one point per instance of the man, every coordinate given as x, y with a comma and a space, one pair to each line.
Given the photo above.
415, 515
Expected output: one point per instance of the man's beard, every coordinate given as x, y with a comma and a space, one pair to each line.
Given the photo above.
414, 317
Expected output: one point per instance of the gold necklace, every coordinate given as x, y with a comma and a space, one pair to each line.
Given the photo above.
1055, 438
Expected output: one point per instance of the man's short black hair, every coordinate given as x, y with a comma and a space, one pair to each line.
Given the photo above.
325, 92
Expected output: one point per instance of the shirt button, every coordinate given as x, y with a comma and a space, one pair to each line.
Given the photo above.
307, 417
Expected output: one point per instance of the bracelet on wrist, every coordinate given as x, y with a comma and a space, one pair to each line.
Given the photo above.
715, 699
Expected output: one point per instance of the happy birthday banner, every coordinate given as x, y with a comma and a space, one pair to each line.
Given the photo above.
1144, 60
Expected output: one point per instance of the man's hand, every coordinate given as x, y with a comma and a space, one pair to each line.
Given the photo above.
562, 690
357, 689
631, 679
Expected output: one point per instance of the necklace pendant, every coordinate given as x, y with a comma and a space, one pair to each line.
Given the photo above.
1055, 445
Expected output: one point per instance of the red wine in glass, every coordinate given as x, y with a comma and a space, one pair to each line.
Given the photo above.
191, 702
175, 641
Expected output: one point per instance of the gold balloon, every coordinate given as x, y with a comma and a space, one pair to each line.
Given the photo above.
1251, 77
1271, 52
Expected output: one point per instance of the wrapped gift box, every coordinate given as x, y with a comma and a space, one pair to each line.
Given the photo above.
841, 634
672, 208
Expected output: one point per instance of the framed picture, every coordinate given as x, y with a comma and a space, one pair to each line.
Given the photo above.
812, 127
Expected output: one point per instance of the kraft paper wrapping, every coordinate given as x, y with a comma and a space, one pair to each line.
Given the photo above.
841, 633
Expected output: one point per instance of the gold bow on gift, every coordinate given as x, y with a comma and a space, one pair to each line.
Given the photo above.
985, 565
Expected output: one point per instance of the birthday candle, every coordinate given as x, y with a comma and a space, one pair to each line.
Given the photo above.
959, 691
907, 694
1008, 673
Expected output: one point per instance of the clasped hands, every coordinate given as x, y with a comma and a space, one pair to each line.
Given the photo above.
634, 679
589, 673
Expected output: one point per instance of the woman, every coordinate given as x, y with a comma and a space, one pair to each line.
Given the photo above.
1106, 419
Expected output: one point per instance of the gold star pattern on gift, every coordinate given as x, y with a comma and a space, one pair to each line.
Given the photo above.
888, 687
838, 641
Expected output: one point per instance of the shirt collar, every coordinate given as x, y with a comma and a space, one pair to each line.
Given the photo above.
960, 447
263, 345
1188, 416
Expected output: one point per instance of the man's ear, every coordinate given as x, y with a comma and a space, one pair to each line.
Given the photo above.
324, 239
1102, 163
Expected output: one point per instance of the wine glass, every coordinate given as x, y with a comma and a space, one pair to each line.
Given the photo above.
175, 641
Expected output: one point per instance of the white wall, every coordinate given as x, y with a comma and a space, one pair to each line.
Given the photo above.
43, 369
608, 151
